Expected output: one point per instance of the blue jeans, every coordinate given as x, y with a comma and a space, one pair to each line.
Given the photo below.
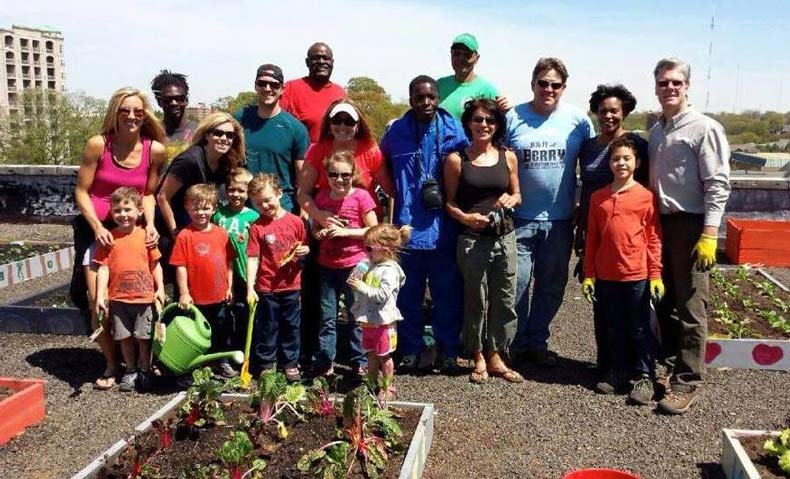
277, 325
625, 312
544, 250
439, 268
332, 284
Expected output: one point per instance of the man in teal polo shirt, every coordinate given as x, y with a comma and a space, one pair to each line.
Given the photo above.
455, 90
276, 142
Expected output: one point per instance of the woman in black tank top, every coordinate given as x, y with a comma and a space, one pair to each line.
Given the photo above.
482, 188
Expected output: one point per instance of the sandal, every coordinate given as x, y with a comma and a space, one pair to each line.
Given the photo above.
507, 374
478, 376
105, 382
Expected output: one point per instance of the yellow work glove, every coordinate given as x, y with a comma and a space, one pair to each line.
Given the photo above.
588, 289
705, 249
657, 289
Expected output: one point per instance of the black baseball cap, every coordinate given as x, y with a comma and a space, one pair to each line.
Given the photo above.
270, 70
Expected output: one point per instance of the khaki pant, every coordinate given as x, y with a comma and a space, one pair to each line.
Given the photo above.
683, 311
488, 265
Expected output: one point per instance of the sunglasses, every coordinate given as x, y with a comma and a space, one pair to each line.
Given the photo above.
666, 83
553, 85
217, 133
138, 113
335, 175
488, 120
174, 98
274, 85
336, 120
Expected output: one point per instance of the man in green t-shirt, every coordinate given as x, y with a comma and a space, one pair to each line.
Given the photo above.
276, 142
455, 90
236, 219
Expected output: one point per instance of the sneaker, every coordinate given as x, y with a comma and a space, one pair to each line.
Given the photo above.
678, 402
293, 375
409, 363
225, 370
449, 366
144, 381
610, 383
541, 357
642, 391
128, 382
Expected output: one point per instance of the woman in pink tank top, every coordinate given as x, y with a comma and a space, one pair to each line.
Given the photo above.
127, 152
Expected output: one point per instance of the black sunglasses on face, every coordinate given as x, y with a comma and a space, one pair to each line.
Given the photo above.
174, 98
342, 121
489, 120
217, 133
546, 84
666, 83
335, 175
274, 85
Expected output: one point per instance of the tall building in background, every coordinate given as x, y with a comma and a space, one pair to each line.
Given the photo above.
33, 59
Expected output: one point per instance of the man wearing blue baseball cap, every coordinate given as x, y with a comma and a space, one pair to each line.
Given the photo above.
464, 84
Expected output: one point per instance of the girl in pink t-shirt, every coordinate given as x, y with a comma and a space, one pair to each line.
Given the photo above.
353, 212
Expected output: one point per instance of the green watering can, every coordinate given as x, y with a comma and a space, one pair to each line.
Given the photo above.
186, 339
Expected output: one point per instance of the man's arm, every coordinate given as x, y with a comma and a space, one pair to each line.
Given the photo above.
714, 172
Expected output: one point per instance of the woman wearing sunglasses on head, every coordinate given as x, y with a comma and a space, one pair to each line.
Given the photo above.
127, 152
343, 128
482, 188
217, 147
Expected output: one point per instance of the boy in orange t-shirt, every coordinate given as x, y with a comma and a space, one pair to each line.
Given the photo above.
203, 256
130, 277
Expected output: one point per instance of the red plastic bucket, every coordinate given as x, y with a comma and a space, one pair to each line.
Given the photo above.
600, 474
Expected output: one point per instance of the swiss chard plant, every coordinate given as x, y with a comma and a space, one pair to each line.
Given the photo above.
320, 401
202, 405
237, 453
275, 397
780, 448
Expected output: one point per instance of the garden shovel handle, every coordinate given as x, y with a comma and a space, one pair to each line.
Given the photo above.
245, 367
95, 334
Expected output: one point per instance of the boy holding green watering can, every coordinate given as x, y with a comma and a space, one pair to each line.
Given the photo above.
128, 280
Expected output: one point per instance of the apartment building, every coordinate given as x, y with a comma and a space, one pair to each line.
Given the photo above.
33, 59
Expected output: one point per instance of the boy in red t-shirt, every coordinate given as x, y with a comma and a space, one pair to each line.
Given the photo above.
622, 269
129, 278
203, 256
277, 240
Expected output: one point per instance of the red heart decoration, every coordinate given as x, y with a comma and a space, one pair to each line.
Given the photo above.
712, 350
766, 355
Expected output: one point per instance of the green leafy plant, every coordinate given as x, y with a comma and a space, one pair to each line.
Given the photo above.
742, 273
748, 303
766, 288
275, 396
781, 304
776, 320
202, 404
318, 394
780, 448
239, 451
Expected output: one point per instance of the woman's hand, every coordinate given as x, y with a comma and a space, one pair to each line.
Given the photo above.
334, 231
506, 201
103, 237
476, 221
151, 236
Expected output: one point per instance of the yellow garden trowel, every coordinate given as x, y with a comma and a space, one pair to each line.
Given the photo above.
245, 375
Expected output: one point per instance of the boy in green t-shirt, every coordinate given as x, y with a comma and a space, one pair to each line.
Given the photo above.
236, 218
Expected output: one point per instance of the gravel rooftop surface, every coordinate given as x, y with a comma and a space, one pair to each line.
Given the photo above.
549, 425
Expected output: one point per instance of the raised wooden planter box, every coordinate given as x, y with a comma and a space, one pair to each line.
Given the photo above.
25, 408
413, 463
734, 460
758, 242
21, 317
36, 266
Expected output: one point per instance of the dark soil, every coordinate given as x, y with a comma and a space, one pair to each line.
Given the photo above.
15, 252
57, 299
766, 465
757, 326
6, 393
200, 445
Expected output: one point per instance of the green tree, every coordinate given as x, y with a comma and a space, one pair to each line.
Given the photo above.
375, 103
51, 128
233, 104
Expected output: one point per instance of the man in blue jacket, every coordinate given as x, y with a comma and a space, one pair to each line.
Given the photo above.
414, 149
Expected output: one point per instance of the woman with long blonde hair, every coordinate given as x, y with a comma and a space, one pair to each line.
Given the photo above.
128, 152
217, 147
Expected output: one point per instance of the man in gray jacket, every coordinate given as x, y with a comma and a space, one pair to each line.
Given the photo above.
689, 173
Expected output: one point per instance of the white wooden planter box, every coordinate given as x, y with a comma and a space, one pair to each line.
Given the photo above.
36, 266
734, 460
413, 463
773, 354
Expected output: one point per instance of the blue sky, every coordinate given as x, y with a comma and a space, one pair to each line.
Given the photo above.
220, 44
